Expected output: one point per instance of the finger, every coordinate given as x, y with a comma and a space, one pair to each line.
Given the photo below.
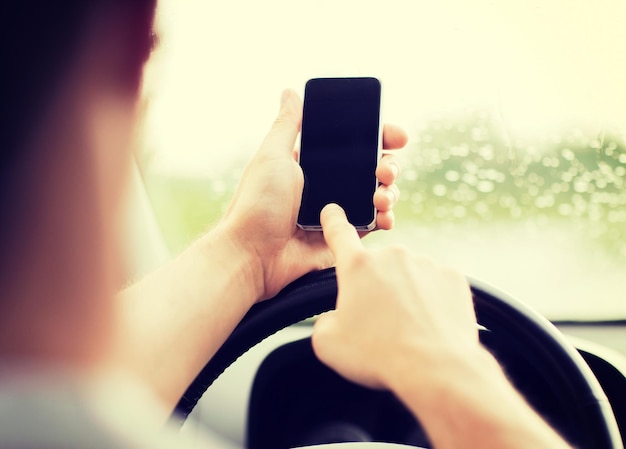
385, 220
296, 152
386, 197
282, 136
388, 169
323, 329
341, 237
394, 137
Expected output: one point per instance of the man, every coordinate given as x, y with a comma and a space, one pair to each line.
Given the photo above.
80, 369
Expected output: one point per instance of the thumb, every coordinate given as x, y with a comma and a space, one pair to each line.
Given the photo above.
282, 136
323, 332
341, 237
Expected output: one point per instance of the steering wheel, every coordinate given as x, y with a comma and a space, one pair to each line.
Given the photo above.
547, 370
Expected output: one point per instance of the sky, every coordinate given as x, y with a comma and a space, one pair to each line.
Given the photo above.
215, 82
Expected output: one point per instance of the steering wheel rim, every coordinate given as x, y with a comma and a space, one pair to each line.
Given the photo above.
591, 420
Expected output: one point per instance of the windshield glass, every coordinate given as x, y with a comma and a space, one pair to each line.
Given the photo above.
516, 165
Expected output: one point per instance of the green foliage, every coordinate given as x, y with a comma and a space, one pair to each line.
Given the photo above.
186, 207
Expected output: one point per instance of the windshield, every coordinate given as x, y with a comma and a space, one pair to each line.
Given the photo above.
516, 165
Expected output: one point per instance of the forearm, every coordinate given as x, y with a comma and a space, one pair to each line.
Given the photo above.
470, 404
174, 320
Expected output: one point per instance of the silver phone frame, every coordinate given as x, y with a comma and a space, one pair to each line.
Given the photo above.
371, 226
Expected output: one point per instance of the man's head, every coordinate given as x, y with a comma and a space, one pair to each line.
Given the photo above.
72, 73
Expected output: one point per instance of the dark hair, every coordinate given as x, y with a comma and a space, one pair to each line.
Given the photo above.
39, 40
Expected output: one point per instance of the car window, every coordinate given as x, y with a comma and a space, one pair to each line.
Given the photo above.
516, 166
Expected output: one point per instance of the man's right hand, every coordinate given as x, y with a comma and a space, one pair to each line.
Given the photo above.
408, 325
391, 305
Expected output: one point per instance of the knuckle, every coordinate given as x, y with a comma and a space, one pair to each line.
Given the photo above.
393, 165
392, 194
396, 190
454, 275
285, 120
399, 252
449, 271
425, 261
361, 259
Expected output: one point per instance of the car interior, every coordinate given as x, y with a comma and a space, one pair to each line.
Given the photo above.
515, 173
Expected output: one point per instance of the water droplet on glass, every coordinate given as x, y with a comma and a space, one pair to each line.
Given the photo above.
568, 154
410, 175
452, 175
486, 152
581, 186
439, 190
565, 209
470, 179
544, 201
485, 186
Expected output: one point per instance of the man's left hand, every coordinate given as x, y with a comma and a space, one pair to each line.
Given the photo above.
262, 216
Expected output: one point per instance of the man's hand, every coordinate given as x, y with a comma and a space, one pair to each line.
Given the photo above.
408, 325
196, 300
262, 216
391, 304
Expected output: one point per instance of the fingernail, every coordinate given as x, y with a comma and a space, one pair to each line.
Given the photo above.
390, 194
332, 207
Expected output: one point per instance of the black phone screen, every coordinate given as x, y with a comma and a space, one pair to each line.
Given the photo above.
339, 148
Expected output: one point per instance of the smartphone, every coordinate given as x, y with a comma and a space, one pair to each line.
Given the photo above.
341, 143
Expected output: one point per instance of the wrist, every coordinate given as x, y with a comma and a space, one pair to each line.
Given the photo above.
427, 375
237, 249
467, 401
